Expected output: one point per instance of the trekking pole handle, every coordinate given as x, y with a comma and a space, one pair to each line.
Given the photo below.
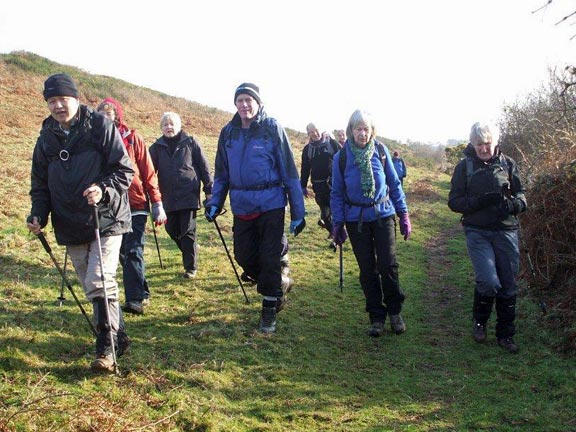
96, 216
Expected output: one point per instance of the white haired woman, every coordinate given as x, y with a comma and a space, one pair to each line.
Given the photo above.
366, 197
487, 191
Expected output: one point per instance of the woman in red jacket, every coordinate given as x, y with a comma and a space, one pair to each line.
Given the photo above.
144, 188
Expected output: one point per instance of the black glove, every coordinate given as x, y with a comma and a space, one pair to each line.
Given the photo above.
512, 206
296, 226
488, 199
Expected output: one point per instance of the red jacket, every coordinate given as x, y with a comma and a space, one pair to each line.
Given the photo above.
145, 182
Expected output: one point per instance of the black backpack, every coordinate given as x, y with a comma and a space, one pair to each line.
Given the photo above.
470, 172
330, 144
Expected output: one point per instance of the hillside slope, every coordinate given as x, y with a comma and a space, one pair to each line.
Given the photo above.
22, 110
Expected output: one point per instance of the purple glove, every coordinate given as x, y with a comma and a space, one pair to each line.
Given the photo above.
405, 225
339, 234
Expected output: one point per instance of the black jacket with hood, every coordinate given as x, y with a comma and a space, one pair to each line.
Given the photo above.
500, 175
181, 173
63, 166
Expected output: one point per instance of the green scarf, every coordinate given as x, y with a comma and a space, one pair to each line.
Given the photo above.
362, 158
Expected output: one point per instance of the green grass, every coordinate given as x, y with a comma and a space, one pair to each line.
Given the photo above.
197, 365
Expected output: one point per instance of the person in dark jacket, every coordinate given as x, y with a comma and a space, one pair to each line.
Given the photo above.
341, 137
144, 188
317, 166
366, 196
80, 162
400, 166
182, 169
255, 163
487, 191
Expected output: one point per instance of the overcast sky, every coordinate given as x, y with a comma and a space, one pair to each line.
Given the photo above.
425, 69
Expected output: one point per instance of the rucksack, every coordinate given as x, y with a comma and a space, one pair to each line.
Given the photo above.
330, 144
269, 131
470, 171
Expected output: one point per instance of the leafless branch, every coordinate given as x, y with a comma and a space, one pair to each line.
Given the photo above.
566, 17
543, 6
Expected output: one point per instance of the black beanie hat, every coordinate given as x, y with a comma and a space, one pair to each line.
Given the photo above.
60, 84
250, 89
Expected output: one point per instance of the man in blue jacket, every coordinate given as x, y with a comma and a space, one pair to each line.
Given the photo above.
399, 166
255, 163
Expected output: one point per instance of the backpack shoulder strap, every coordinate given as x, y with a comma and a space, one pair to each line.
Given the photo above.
342, 161
506, 166
470, 172
381, 153
333, 146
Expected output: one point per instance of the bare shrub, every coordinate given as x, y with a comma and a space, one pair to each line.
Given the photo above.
540, 133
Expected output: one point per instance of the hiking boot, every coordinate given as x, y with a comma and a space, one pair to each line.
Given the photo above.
478, 331
103, 363
267, 323
397, 324
508, 344
124, 343
189, 274
146, 301
287, 283
285, 265
134, 307
377, 329
244, 277
321, 223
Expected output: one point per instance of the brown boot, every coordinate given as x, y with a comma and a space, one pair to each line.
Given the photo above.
103, 363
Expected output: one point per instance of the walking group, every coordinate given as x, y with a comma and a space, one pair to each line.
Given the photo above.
97, 181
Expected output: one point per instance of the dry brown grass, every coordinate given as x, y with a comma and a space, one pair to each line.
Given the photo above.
549, 238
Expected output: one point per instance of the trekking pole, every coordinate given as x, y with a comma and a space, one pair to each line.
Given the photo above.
64, 278
341, 259
157, 247
62, 298
102, 279
230, 258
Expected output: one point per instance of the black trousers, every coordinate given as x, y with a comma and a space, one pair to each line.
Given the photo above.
323, 201
181, 227
375, 251
258, 247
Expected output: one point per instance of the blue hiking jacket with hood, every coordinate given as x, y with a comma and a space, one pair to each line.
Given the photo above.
347, 202
256, 165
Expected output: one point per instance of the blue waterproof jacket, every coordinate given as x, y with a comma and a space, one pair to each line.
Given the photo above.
400, 166
347, 202
257, 166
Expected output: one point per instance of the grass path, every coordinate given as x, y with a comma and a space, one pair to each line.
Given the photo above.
197, 365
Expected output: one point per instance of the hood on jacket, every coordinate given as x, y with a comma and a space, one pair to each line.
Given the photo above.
470, 152
260, 116
119, 111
